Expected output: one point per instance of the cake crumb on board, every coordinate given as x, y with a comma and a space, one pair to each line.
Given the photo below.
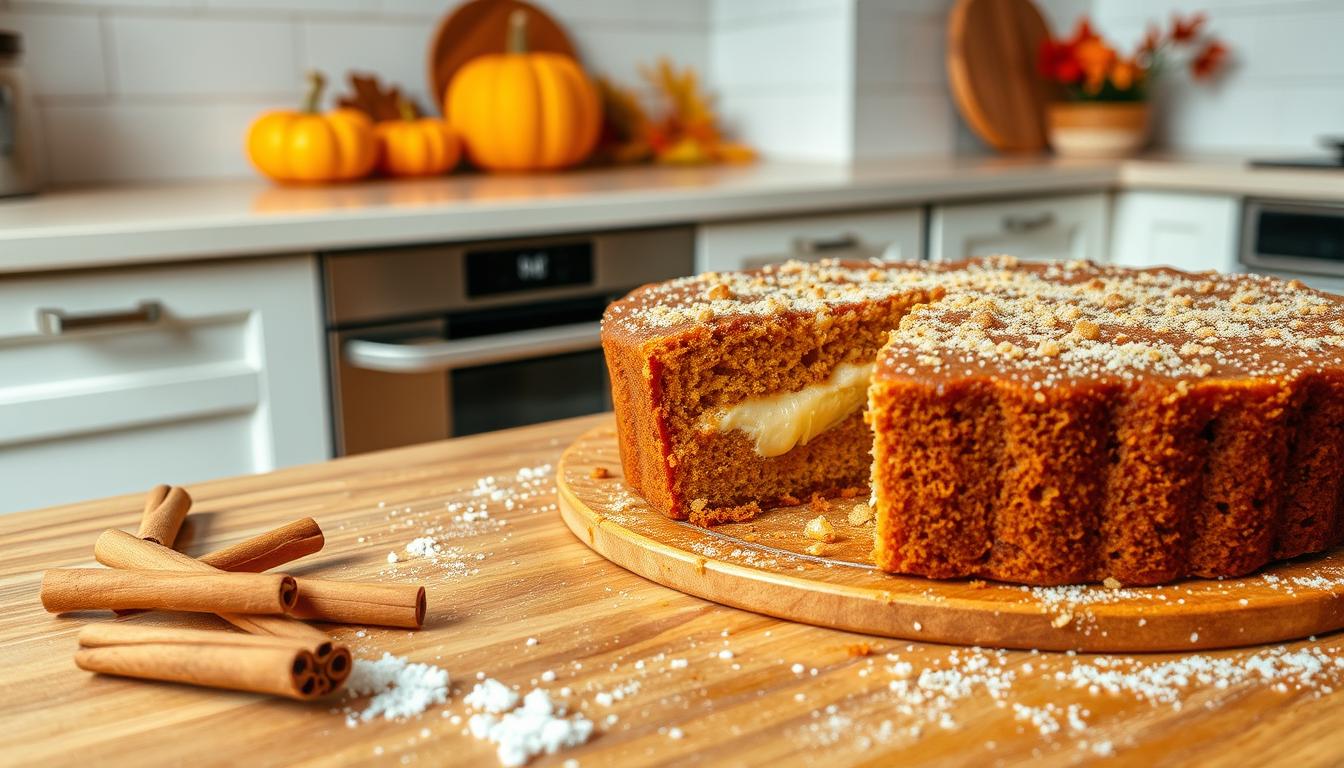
820, 529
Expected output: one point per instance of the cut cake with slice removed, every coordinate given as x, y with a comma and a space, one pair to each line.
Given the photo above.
701, 369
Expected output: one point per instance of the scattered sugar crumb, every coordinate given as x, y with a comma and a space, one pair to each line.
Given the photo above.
539, 726
399, 688
492, 696
820, 529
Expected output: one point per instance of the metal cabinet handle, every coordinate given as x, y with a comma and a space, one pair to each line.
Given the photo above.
1022, 224
55, 322
810, 246
440, 355
9, 129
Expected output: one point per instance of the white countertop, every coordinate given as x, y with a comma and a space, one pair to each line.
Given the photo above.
108, 226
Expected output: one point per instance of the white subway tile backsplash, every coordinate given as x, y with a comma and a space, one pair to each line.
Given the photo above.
574, 14
202, 56
93, 5
621, 52
317, 7
63, 53
800, 124
803, 51
395, 51
894, 47
146, 89
725, 14
1281, 91
143, 141
890, 123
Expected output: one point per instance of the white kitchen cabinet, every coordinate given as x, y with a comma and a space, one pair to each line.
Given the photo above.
1173, 229
1065, 227
114, 380
890, 234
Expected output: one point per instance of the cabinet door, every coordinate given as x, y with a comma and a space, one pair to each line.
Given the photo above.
890, 235
1192, 232
1071, 227
113, 381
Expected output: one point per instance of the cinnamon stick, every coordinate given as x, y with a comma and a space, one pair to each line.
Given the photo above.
84, 589
118, 549
391, 605
154, 498
165, 509
346, 602
271, 665
269, 549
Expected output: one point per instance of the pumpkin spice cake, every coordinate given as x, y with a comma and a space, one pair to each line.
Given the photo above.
1038, 423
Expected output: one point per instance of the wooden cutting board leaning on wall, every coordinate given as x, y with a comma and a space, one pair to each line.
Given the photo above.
991, 67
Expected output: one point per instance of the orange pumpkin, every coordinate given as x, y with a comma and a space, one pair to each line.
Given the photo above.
521, 111
308, 146
416, 146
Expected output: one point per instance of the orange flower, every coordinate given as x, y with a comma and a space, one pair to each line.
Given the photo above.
1095, 58
1208, 61
1185, 30
1152, 39
1082, 32
1124, 72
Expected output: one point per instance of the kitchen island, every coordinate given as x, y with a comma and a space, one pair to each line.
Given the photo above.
665, 678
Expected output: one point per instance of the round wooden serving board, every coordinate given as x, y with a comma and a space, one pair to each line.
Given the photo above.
762, 566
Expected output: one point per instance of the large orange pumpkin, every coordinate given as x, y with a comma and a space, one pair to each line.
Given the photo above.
521, 111
415, 146
308, 146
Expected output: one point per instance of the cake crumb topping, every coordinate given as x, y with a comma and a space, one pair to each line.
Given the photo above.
1042, 322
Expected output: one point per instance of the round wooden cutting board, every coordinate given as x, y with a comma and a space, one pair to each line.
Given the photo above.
763, 566
992, 47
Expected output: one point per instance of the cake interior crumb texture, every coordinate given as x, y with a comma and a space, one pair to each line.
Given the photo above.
1044, 423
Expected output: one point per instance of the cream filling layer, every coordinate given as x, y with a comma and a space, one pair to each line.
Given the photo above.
779, 422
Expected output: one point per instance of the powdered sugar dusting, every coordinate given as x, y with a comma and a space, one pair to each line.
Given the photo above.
399, 688
539, 726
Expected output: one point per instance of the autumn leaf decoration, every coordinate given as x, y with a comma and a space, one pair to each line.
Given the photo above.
683, 131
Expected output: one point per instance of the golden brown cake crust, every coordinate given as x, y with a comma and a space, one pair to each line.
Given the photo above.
1039, 423
1065, 423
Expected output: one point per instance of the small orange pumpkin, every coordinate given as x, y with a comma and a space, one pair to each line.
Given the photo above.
308, 146
521, 111
415, 146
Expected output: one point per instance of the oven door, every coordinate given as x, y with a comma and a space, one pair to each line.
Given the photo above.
413, 383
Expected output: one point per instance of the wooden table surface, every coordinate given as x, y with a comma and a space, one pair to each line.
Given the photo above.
751, 691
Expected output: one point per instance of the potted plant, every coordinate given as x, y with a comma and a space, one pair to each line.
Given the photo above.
1106, 110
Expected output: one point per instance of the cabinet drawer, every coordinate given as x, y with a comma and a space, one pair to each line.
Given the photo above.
1072, 227
1166, 229
892, 235
112, 381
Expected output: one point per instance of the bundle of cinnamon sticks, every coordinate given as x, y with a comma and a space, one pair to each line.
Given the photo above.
276, 653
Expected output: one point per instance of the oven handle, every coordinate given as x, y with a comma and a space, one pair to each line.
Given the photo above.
427, 356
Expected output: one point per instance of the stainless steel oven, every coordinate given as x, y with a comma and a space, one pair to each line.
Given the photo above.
1295, 240
436, 341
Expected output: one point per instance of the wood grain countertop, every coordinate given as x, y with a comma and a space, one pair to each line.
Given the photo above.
666, 678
